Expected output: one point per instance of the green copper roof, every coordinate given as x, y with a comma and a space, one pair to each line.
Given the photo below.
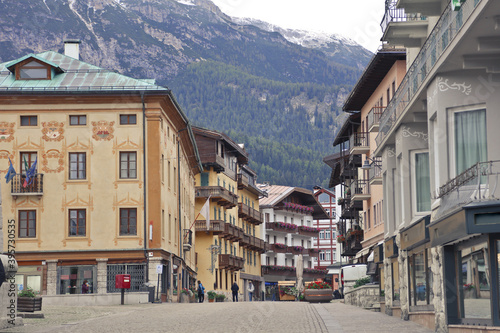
71, 75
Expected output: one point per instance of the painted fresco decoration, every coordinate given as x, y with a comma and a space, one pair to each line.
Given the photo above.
102, 130
460, 87
52, 131
419, 135
52, 161
6, 131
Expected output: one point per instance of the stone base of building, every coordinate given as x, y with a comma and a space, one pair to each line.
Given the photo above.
367, 297
426, 319
95, 299
472, 329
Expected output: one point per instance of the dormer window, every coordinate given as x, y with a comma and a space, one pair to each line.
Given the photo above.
33, 70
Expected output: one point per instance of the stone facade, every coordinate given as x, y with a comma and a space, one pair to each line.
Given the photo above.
367, 297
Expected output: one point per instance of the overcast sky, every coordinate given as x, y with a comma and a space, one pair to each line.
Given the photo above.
356, 19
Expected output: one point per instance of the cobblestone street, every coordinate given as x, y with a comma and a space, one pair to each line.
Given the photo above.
216, 317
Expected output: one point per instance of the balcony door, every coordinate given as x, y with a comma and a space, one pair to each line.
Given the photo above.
27, 160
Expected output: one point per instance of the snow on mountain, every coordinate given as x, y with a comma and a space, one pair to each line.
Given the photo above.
309, 39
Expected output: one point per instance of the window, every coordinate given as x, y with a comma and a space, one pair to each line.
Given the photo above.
77, 222
327, 234
422, 182
128, 165
27, 224
33, 70
128, 221
420, 279
128, 119
77, 166
321, 255
27, 160
29, 120
470, 139
72, 278
78, 120
324, 198
328, 255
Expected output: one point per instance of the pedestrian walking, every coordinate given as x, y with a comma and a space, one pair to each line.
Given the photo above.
250, 289
201, 292
235, 289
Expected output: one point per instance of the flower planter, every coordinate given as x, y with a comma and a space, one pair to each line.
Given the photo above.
318, 295
29, 304
286, 297
184, 298
211, 300
219, 299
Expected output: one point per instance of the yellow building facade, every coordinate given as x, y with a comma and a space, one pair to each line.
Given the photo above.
112, 192
228, 247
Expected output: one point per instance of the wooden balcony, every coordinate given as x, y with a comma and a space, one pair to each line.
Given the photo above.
215, 226
307, 231
282, 227
230, 262
218, 194
352, 245
278, 248
35, 188
242, 181
231, 233
256, 244
278, 270
313, 252
312, 273
214, 160
249, 214
297, 250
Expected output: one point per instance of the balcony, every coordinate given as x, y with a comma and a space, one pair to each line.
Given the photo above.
257, 244
215, 226
220, 195
479, 183
214, 160
249, 214
231, 233
374, 118
442, 35
242, 181
425, 7
313, 252
359, 143
351, 247
187, 242
307, 231
296, 250
312, 273
360, 190
375, 172
230, 262
288, 271
403, 29
281, 227
278, 248
35, 188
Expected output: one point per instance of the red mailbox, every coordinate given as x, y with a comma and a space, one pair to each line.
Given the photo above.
122, 281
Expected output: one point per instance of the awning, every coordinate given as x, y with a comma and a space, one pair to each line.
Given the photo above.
362, 253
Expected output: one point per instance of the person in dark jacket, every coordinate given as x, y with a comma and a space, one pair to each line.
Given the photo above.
235, 290
201, 292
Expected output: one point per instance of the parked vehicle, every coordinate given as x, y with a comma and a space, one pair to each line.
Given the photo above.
349, 274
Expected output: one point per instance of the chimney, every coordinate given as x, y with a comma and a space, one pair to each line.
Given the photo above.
72, 48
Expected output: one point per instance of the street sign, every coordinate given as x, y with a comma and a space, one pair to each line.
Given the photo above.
159, 269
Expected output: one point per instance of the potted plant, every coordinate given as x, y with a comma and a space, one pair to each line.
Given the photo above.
184, 296
28, 301
211, 296
220, 297
318, 291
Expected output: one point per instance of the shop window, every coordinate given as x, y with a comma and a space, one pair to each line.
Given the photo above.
420, 279
395, 281
72, 278
137, 275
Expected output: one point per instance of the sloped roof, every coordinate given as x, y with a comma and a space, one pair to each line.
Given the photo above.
277, 193
75, 75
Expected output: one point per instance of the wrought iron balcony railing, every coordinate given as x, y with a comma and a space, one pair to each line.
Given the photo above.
476, 184
393, 14
445, 30
35, 188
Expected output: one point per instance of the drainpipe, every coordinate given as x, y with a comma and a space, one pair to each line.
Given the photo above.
181, 252
146, 275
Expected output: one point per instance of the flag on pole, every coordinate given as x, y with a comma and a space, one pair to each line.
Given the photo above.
30, 174
10, 173
205, 211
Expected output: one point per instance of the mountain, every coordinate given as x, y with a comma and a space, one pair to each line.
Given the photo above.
277, 90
